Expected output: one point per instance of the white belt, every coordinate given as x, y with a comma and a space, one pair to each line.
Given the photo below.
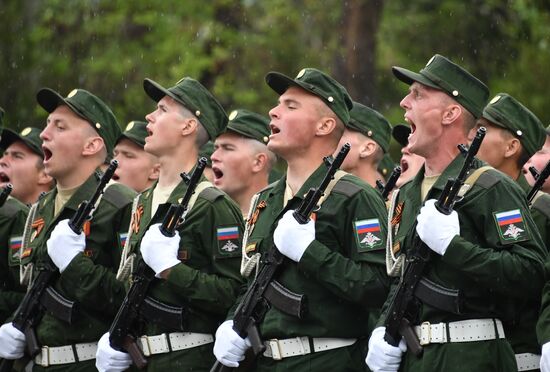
164, 343
462, 331
279, 349
50, 356
527, 361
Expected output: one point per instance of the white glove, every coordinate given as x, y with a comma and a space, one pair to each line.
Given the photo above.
292, 238
229, 347
108, 359
383, 356
12, 341
545, 358
64, 245
435, 228
158, 251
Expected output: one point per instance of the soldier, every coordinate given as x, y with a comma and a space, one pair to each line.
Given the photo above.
12, 221
539, 161
137, 169
80, 133
241, 161
514, 134
335, 261
198, 268
368, 132
485, 256
410, 163
21, 165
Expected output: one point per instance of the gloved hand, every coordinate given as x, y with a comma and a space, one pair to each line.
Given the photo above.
158, 251
64, 245
436, 229
383, 356
292, 238
545, 358
108, 359
12, 341
229, 347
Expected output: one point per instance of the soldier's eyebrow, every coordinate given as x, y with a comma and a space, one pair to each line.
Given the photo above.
289, 101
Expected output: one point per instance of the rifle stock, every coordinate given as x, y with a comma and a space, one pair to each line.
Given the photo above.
254, 304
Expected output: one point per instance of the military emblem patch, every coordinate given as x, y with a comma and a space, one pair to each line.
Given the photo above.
228, 239
511, 227
367, 233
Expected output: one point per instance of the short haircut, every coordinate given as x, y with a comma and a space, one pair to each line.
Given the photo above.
202, 134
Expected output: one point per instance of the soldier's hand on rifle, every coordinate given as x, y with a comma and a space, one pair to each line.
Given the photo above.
229, 347
383, 356
108, 359
12, 342
158, 251
435, 228
292, 238
64, 245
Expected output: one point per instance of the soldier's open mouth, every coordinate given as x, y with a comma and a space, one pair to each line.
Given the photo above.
404, 166
116, 177
47, 153
217, 173
4, 177
274, 129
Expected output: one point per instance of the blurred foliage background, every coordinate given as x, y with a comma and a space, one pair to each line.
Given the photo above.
110, 46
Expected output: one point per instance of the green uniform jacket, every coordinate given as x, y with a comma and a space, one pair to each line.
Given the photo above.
12, 223
90, 278
207, 280
520, 332
542, 206
494, 269
342, 271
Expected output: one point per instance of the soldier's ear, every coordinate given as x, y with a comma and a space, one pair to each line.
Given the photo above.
451, 114
93, 146
325, 126
513, 148
43, 178
367, 148
260, 162
155, 172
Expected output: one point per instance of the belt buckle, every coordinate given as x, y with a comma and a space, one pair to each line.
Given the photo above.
145, 347
425, 329
45, 356
276, 353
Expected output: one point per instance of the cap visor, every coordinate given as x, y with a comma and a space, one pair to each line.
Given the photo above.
409, 77
280, 82
49, 99
156, 91
134, 140
9, 137
401, 134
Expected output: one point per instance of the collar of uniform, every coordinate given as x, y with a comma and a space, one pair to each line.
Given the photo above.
522, 182
181, 188
84, 192
312, 181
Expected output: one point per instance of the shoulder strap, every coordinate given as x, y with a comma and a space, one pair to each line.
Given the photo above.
339, 174
472, 179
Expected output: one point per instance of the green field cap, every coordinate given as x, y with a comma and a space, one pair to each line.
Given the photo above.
206, 151
196, 98
318, 83
87, 106
29, 136
370, 123
250, 125
440, 73
135, 131
508, 113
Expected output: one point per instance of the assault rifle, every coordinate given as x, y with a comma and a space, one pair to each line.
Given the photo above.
42, 296
397, 322
389, 186
136, 305
255, 302
540, 179
6, 191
